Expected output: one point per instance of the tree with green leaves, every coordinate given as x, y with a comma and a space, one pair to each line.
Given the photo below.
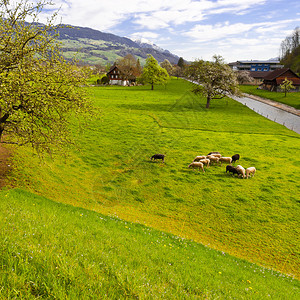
214, 80
153, 73
167, 65
39, 90
286, 86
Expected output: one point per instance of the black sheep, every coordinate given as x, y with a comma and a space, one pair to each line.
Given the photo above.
235, 157
212, 153
158, 156
232, 170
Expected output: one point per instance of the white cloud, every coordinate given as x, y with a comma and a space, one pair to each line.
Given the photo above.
191, 28
203, 33
144, 34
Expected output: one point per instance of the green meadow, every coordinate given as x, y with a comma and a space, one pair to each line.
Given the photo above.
106, 221
291, 98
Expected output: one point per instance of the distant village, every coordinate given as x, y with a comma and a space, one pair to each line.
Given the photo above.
267, 74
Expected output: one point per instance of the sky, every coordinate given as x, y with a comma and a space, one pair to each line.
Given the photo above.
234, 29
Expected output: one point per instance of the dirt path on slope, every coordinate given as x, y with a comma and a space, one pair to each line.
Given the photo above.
5, 166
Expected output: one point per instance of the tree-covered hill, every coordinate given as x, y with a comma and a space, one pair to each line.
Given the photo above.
91, 46
290, 51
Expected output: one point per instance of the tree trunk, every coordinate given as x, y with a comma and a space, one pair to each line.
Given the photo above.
208, 101
152, 87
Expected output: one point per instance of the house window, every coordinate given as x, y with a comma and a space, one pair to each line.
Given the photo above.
112, 76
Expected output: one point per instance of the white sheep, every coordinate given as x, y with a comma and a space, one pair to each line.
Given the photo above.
240, 170
249, 171
198, 158
215, 155
197, 164
213, 158
205, 161
227, 160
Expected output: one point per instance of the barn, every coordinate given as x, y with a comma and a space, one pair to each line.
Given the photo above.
273, 80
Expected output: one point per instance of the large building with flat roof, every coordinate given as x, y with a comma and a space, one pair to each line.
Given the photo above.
256, 65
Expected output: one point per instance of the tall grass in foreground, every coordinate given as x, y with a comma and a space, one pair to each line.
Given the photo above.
56, 251
291, 99
256, 219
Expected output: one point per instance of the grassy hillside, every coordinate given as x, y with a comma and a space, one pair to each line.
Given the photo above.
256, 219
92, 47
291, 99
56, 251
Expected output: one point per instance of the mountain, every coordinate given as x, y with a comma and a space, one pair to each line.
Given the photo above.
91, 46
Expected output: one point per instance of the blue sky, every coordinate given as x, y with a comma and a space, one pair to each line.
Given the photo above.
234, 29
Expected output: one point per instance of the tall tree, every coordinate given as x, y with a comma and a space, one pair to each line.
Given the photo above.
214, 80
39, 89
153, 73
180, 63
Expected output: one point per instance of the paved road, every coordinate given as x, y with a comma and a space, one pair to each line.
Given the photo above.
285, 107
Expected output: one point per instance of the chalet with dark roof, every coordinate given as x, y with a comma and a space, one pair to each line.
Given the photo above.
273, 80
119, 77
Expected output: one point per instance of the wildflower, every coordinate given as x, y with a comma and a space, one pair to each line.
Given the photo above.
220, 272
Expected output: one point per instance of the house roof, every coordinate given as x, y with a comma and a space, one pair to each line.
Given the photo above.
259, 74
130, 76
279, 72
258, 61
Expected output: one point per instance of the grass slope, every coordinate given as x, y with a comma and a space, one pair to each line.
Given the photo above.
255, 219
56, 251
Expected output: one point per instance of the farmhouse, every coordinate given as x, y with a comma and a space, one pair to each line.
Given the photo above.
273, 80
118, 76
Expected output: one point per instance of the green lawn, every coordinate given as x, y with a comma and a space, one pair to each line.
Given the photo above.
291, 99
56, 251
255, 219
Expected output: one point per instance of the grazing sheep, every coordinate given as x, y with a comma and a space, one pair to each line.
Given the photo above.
205, 161
241, 170
213, 158
225, 159
213, 153
158, 156
250, 171
235, 157
231, 169
198, 165
198, 158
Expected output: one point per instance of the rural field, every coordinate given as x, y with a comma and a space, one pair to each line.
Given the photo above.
106, 220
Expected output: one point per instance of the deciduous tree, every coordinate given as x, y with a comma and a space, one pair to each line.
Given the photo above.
286, 86
129, 66
167, 65
153, 73
38, 88
214, 80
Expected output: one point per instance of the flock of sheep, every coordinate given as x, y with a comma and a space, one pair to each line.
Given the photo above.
216, 158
